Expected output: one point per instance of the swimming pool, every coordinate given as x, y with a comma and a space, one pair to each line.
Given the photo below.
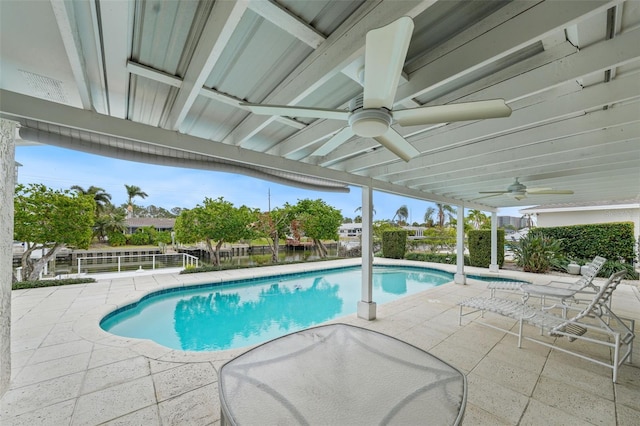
230, 315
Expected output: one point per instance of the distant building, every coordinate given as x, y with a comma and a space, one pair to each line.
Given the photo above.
567, 214
350, 230
160, 224
516, 222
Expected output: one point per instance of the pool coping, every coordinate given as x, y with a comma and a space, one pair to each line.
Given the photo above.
88, 326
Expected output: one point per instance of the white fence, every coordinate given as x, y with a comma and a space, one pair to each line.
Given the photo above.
97, 264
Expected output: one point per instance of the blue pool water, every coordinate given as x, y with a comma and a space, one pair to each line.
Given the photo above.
236, 314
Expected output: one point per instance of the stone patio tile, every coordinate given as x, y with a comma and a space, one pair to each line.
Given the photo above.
511, 376
179, 380
115, 373
498, 400
627, 416
61, 351
529, 357
116, 401
61, 337
629, 374
628, 395
474, 416
575, 371
34, 373
538, 414
146, 416
462, 357
33, 397
103, 354
583, 405
158, 366
198, 407
56, 414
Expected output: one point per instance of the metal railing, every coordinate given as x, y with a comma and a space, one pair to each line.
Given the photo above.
135, 262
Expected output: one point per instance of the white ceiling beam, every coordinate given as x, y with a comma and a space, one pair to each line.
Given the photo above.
19, 107
223, 20
470, 164
522, 30
589, 156
115, 35
172, 80
620, 50
544, 177
545, 112
288, 22
153, 74
342, 47
65, 19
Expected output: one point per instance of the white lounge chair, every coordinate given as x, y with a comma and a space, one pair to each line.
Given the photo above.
555, 289
596, 323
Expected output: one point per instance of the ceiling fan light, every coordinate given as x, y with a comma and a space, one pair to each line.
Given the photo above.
370, 123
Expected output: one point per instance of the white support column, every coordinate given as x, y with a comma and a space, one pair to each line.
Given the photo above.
7, 177
366, 306
459, 277
494, 267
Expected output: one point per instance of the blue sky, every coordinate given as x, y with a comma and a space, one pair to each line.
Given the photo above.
170, 187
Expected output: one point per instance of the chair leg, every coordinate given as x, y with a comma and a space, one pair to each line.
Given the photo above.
520, 334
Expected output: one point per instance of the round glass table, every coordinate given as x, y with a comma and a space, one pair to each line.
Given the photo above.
340, 374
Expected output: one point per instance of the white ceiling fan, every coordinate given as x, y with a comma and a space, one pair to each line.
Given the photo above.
520, 191
372, 114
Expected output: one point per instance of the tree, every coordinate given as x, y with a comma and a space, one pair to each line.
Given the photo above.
319, 221
109, 222
402, 214
428, 217
215, 221
100, 196
478, 220
272, 225
50, 220
444, 210
132, 192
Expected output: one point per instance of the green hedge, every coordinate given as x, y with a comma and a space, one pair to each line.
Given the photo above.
20, 285
480, 247
450, 259
394, 244
613, 241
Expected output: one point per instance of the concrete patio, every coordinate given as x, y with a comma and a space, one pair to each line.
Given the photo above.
66, 370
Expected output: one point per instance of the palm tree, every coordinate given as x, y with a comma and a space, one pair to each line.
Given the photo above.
477, 218
428, 216
100, 196
444, 209
359, 209
402, 213
132, 192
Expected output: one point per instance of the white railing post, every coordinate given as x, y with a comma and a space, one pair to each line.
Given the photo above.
153, 262
183, 260
79, 260
118, 263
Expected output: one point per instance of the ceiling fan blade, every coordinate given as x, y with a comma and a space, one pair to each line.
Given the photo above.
493, 192
479, 110
338, 139
293, 111
550, 191
395, 143
385, 53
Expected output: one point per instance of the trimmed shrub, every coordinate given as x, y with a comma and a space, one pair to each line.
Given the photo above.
480, 247
394, 244
614, 241
143, 236
50, 283
116, 239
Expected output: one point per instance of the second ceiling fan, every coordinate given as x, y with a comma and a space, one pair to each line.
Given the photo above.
372, 114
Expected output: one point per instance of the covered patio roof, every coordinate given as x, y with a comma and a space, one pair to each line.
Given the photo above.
163, 82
